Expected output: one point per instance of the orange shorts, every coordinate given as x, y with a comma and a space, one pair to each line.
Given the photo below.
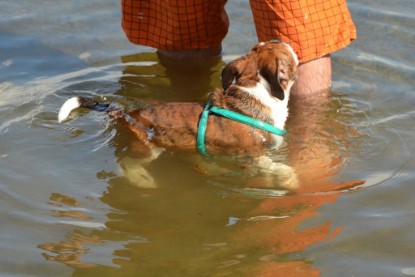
314, 28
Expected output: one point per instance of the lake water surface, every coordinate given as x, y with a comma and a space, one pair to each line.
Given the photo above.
67, 210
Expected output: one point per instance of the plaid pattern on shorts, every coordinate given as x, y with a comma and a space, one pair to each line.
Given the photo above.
175, 24
314, 28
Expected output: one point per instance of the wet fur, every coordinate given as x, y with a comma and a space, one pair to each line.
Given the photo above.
257, 85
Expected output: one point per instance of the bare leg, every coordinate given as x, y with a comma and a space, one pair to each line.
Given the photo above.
192, 54
191, 72
313, 77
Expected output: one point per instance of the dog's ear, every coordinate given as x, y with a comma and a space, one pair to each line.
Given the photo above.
270, 72
232, 71
241, 70
278, 73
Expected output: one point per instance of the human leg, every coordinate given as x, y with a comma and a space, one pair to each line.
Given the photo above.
313, 28
314, 77
199, 53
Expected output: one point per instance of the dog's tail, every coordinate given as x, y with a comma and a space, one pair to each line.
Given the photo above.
81, 102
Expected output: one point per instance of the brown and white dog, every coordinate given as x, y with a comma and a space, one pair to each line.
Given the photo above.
256, 85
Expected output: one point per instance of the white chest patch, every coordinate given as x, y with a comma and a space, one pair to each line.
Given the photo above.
262, 92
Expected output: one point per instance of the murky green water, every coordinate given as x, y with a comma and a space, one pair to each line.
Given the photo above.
67, 210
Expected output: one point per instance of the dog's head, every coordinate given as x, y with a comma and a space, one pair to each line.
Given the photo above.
274, 61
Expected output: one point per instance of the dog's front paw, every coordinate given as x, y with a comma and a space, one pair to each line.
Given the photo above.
286, 175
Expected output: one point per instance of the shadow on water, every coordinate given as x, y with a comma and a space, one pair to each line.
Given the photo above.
196, 222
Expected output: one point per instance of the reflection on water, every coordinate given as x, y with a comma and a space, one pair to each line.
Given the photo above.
224, 217
67, 210
156, 234
147, 73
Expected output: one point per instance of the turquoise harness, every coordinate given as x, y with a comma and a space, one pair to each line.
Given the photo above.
253, 122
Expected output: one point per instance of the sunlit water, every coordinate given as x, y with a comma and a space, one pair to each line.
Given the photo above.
66, 208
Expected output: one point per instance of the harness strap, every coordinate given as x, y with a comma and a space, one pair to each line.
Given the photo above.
253, 122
